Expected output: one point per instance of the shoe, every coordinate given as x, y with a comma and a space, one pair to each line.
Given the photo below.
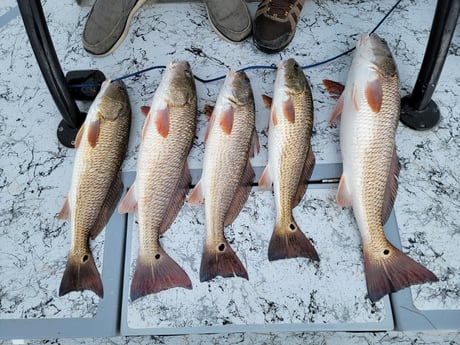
107, 25
275, 23
230, 19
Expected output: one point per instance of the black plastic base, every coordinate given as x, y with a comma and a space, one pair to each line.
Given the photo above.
67, 134
421, 120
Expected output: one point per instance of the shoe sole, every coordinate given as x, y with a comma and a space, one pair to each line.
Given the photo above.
221, 35
124, 32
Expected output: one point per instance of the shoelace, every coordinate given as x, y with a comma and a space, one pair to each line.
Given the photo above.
278, 8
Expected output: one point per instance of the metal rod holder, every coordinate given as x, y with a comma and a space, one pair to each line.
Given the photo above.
418, 110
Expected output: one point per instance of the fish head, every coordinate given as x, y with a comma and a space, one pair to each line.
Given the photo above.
237, 88
375, 51
290, 77
112, 101
178, 84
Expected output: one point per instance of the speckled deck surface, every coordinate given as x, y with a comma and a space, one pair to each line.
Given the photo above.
35, 170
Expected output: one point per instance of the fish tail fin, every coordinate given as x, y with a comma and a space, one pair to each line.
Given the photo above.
288, 241
220, 260
81, 274
155, 274
390, 270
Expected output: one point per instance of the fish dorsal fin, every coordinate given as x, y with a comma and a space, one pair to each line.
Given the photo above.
196, 197
374, 94
391, 188
145, 109
288, 110
305, 177
177, 200
337, 110
162, 121
129, 202
79, 136
110, 202
265, 182
226, 120
93, 132
343, 194
65, 210
255, 145
267, 100
241, 194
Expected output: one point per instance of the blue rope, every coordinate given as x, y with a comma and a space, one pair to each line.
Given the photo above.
316, 64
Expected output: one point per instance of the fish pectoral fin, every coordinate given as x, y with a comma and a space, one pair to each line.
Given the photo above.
177, 199
146, 126
220, 260
241, 194
110, 202
390, 270
145, 109
289, 110
267, 100
208, 109
93, 132
337, 110
212, 119
196, 197
374, 94
255, 145
81, 274
344, 198
305, 177
161, 117
391, 188
129, 202
265, 182
65, 210
333, 87
226, 120
156, 274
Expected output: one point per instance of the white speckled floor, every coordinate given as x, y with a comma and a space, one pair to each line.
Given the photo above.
35, 175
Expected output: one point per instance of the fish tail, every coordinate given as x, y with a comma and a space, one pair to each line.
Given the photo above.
81, 274
220, 260
288, 241
155, 274
389, 270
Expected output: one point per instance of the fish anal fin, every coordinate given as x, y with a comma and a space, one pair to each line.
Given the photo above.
265, 182
305, 177
81, 274
344, 198
241, 194
337, 110
196, 197
391, 189
162, 121
219, 259
288, 241
129, 202
389, 270
65, 210
374, 94
288, 110
226, 120
110, 202
333, 87
157, 274
93, 132
177, 199
79, 136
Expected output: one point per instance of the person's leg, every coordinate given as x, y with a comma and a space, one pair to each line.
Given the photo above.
107, 25
230, 19
275, 23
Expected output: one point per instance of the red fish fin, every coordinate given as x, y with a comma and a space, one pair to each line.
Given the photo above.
177, 200
81, 274
226, 121
374, 95
145, 109
267, 100
255, 145
65, 210
265, 182
208, 109
162, 121
344, 198
288, 241
146, 126
93, 132
241, 195
391, 270
391, 188
129, 202
337, 110
274, 117
288, 110
220, 260
306, 174
79, 136
110, 202
333, 87
160, 273
196, 197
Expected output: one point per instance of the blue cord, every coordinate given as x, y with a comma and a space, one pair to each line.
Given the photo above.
316, 64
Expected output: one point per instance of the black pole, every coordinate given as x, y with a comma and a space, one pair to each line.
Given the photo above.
418, 110
37, 31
